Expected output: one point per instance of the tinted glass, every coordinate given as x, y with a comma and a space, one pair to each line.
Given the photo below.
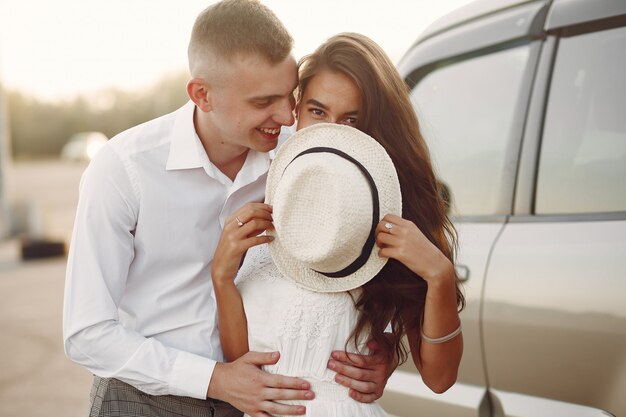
466, 111
583, 159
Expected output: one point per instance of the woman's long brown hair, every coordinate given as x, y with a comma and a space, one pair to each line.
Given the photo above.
396, 295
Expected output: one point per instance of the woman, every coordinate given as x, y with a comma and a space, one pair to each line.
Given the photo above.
350, 80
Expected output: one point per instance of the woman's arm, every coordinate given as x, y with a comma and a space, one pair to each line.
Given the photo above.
241, 232
231, 319
438, 362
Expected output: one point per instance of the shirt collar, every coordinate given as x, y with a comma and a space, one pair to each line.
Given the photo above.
187, 152
184, 152
257, 164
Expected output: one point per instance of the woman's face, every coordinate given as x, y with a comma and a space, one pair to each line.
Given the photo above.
329, 97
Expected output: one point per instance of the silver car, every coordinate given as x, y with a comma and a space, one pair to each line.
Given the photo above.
523, 104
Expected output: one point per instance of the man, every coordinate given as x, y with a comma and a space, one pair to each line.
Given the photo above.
139, 306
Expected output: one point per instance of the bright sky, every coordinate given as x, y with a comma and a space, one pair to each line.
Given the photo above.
58, 49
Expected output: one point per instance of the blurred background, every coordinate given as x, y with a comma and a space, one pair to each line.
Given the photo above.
74, 73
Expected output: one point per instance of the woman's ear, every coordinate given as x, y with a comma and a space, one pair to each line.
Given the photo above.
199, 92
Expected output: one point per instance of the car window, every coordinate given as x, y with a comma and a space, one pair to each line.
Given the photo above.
582, 166
466, 112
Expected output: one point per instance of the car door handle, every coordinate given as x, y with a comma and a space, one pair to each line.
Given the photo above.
463, 272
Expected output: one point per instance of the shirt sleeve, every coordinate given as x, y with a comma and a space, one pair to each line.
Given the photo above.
100, 256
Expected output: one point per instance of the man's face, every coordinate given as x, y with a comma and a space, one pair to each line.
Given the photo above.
253, 100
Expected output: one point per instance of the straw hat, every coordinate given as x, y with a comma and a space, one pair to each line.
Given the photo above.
329, 186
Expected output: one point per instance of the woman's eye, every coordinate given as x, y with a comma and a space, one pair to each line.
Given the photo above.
350, 121
317, 112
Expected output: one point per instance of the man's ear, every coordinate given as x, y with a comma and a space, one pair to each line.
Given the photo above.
199, 92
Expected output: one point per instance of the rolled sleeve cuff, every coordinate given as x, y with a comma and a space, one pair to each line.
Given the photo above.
191, 375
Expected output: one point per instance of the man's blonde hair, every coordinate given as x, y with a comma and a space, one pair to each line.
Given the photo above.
233, 28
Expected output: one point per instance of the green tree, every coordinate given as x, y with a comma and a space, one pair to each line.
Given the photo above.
39, 129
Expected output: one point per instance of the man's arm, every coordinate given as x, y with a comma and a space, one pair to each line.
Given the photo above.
100, 256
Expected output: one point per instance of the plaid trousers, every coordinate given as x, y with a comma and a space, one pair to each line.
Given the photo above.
113, 398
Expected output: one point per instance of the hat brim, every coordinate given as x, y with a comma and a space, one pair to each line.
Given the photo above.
374, 158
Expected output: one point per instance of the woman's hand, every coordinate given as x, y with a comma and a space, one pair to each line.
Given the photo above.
402, 240
241, 232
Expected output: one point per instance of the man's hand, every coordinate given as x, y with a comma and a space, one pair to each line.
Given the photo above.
245, 386
365, 375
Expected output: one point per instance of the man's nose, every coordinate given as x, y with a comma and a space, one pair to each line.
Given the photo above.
284, 113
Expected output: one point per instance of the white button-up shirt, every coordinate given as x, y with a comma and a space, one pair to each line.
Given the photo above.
139, 302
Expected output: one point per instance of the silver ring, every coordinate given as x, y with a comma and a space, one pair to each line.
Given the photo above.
389, 226
238, 220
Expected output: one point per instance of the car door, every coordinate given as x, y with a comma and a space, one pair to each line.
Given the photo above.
554, 320
471, 110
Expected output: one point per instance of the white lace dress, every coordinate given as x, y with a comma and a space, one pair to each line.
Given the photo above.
305, 327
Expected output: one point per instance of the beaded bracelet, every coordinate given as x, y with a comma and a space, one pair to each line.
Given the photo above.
442, 339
